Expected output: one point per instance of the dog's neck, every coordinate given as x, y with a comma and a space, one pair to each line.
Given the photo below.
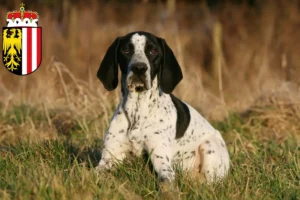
139, 105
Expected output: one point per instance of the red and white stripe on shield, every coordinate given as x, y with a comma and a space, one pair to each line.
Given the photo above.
31, 49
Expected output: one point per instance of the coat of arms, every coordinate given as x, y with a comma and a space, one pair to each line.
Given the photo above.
22, 42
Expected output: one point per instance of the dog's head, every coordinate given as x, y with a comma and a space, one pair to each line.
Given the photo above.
141, 57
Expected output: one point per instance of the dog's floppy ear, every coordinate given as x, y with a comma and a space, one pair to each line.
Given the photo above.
108, 70
170, 73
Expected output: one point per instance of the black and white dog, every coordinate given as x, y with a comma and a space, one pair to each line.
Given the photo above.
150, 118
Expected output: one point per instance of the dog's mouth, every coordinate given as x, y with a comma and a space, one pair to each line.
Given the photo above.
140, 88
137, 86
137, 83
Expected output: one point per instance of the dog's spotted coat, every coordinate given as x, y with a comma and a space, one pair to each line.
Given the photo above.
150, 118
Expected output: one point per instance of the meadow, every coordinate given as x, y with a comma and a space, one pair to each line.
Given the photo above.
241, 69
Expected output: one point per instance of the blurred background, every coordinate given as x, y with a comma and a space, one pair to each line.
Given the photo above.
234, 53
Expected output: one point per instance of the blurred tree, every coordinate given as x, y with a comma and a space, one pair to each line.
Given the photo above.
171, 6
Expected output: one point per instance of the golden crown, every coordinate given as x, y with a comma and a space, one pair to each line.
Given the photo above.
22, 17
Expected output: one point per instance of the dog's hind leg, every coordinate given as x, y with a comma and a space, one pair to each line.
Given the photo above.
214, 158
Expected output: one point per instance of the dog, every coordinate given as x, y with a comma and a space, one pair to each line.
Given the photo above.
150, 118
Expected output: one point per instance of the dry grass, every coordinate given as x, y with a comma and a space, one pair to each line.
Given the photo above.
257, 93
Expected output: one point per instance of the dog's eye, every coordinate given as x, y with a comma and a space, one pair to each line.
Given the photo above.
126, 51
153, 51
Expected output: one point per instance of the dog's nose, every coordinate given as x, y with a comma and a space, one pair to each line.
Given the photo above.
139, 68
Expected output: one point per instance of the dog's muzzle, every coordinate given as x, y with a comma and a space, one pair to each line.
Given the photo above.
138, 78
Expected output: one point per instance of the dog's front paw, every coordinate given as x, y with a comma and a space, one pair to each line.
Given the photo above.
103, 166
99, 169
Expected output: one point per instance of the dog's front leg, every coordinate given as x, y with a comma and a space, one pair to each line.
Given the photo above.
116, 143
160, 151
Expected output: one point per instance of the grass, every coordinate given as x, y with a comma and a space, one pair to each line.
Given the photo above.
62, 168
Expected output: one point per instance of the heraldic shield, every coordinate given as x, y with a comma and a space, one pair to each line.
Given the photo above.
22, 49
22, 42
